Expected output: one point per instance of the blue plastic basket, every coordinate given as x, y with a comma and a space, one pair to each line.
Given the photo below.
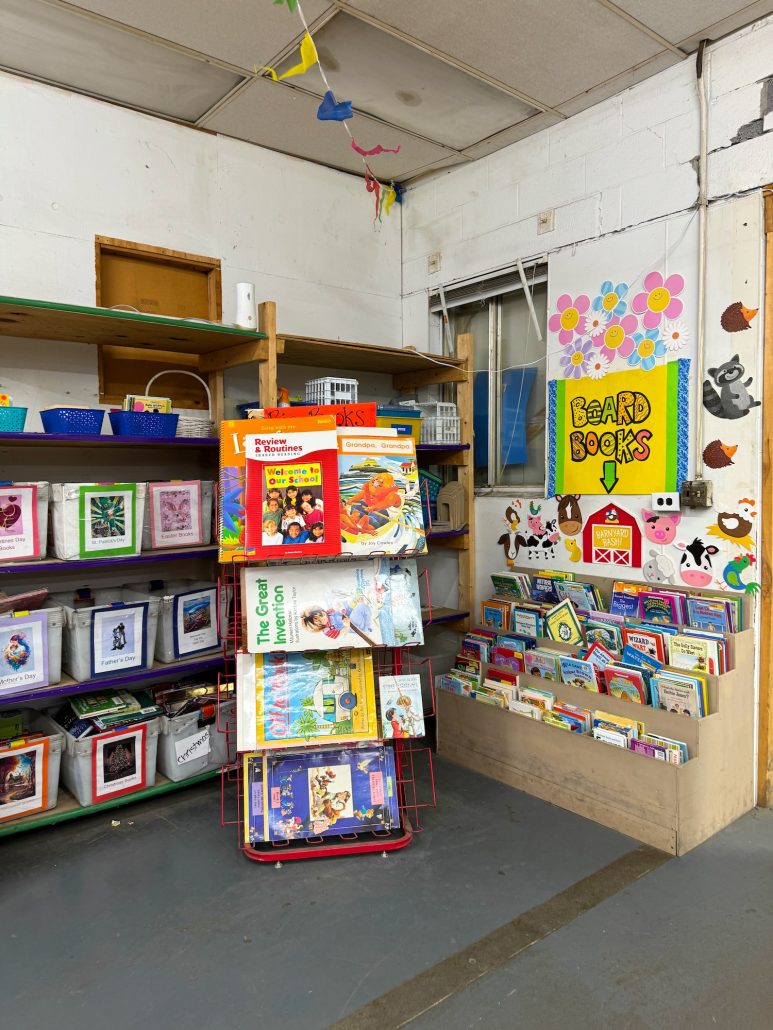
73, 420
12, 420
143, 423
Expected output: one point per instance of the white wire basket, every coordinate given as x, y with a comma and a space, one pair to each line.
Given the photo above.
190, 425
331, 390
440, 423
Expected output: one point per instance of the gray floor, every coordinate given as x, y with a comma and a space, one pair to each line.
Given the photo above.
164, 922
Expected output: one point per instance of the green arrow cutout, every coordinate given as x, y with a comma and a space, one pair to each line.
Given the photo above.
609, 479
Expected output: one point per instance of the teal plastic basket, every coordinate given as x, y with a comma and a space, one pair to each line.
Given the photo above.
12, 420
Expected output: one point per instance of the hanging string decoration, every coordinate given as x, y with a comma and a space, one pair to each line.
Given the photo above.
333, 110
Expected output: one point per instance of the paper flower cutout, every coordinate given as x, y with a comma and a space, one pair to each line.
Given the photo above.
566, 321
598, 366
595, 323
574, 363
616, 339
649, 346
332, 110
675, 335
610, 298
659, 299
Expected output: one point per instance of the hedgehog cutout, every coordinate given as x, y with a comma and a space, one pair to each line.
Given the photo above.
718, 455
737, 317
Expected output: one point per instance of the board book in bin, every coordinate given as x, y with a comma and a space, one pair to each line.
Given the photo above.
322, 793
290, 700
359, 604
379, 495
292, 488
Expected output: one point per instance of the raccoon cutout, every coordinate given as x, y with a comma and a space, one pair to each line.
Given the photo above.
731, 398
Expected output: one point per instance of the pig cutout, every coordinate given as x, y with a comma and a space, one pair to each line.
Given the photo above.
659, 528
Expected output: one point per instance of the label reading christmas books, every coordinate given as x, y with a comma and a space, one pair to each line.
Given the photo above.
23, 779
19, 523
117, 763
292, 488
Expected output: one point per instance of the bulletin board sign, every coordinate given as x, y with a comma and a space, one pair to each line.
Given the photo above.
626, 433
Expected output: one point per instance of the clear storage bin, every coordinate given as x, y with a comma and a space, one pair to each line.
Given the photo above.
107, 529
188, 619
89, 647
108, 765
13, 808
192, 744
207, 492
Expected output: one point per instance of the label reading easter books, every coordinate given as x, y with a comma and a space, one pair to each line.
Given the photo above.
19, 522
107, 520
292, 488
175, 513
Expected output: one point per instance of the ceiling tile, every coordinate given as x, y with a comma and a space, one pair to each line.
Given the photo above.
550, 50
395, 81
241, 32
536, 123
60, 46
274, 115
688, 18
750, 13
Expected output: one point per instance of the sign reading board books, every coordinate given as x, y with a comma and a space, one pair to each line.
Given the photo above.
380, 500
358, 604
626, 433
292, 488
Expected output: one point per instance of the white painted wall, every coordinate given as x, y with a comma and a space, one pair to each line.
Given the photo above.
72, 168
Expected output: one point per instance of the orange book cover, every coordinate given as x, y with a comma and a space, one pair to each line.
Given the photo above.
233, 482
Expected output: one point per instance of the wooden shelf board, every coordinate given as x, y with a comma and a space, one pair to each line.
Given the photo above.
446, 534
144, 558
68, 807
41, 320
336, 354
105, 440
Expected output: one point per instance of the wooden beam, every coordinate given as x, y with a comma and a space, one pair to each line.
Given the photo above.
242, 354
465, 474
267, 391
217, 389
765, 744
406, 382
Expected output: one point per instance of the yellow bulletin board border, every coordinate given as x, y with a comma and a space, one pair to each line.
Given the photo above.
678, 400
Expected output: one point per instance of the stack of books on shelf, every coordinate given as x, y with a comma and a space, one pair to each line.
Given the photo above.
654, 648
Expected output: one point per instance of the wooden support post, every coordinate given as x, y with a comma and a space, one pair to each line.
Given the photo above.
465, 475
765, 744
217, 389
267, 391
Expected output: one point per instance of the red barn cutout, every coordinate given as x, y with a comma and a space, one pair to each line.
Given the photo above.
612, 536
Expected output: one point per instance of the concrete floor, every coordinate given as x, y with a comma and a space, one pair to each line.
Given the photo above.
164, 922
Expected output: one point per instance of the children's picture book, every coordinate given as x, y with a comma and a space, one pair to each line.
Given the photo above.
194, 621
140, 402
580, 720
290, 700
607, 635
89, 706
454, 683
330, 791
649, 641
525, 622
380, 501
175, 514
23, 778
471, 666
676, 750
542, 699
543, 585
513, 585
650, 750
631, 727
528, 710
107, 520
118, 638
583, 596
681, 693
509, 658
118, 763
625, 598
661, 606
702, 613
495, 613
625, 684
640, 659
599, 656
543, 663
292, 488
23, 651
19, 522
347, 416
578, 673
561, 623
695, 653
254, 771
232, 490
358, 604
402, 709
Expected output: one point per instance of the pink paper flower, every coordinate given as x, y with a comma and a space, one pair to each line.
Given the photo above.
616, 339
659, 299
566, 320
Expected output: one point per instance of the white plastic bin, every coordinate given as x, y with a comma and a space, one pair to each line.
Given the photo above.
77, 634
35, 722
54, 621
171, 595
207, 493
66, 523
121, 768
191, 744
43, 497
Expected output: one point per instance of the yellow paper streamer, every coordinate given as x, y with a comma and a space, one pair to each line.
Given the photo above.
390, 195
308, 59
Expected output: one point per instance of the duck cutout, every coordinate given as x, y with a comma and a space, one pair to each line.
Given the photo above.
736, 317
736, 526
718, 455
575, 554
733, 571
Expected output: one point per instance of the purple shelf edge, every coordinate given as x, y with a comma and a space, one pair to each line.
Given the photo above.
447, 533
442, 447
435, 621
88, 438
69, 689
149, 557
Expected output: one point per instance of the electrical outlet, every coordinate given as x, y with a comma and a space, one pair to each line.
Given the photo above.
663, 502
697, 493
433, 263
546, 222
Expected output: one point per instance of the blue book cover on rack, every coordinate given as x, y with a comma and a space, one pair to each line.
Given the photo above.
329, 792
